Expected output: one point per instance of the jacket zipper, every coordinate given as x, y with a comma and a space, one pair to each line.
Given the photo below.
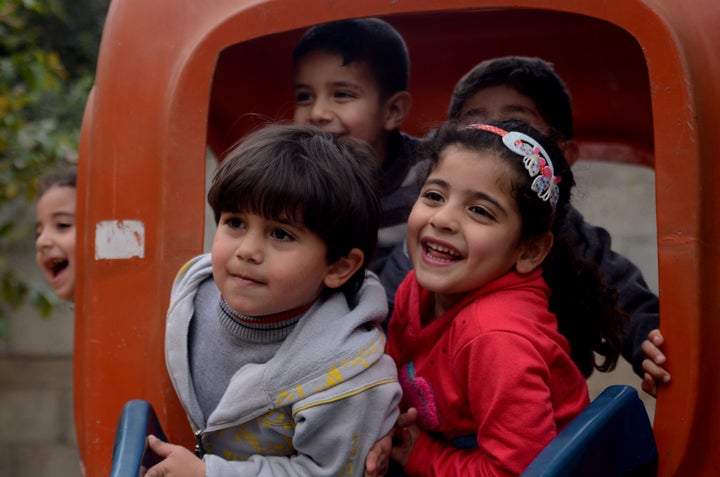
199, 448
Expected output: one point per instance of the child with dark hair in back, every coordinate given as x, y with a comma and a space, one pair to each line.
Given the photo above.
351, 79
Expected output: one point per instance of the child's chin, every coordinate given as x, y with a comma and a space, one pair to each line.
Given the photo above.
67, 296
62, 287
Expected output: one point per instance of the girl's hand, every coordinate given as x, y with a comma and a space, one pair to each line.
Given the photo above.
406, 433
378, 458
655, 373
177, 461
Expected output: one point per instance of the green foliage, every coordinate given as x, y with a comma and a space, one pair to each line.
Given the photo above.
47, 56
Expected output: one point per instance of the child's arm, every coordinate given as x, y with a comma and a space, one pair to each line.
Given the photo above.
655, 373
512, 405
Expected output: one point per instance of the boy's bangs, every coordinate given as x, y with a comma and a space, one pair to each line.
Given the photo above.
273, 196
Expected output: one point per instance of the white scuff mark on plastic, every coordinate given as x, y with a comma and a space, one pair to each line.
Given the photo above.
119, 239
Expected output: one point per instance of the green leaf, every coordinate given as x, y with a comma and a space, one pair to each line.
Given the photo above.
42, 302
4, 326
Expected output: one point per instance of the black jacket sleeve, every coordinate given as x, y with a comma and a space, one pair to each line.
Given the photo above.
634, 295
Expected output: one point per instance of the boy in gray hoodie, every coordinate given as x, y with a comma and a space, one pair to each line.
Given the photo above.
273, 340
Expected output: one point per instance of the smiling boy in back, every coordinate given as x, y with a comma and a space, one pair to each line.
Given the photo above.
351, 79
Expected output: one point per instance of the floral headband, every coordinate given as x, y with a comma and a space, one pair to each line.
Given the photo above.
536, 160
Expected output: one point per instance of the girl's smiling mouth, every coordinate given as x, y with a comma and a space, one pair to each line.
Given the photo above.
437, 252
56, 265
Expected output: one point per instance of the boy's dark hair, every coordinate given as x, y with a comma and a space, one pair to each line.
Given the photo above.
62, 176
369, 40
586, 307
308, 176
531, 77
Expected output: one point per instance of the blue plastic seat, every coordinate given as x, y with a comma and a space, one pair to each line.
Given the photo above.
130, 452
612, 437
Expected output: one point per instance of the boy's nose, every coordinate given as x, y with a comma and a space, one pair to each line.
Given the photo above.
250, 249
320, 112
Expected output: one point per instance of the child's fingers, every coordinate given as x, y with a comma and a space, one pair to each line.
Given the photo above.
407, 418
159, 447
658, 373
371, 462
649, 385
371, 467
656, 337
376, 461
652, 352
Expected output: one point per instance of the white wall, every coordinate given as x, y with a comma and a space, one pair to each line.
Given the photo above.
621, 198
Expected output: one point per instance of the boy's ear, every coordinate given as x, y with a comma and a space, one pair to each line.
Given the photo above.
533, 253
397, 108
344, 268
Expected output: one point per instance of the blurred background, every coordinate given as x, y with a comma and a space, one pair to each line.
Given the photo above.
48, 52
47, 62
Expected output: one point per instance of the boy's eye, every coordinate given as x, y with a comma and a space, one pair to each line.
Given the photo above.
344, 94
474, 116
281, 234
234, 222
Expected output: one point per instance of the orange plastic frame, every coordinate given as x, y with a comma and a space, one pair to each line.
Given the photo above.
176, 77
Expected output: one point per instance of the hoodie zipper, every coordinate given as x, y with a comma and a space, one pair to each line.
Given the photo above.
199, 448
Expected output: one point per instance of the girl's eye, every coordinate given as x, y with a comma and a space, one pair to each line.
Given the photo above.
64, 226
482, 212
281, 234
432, 196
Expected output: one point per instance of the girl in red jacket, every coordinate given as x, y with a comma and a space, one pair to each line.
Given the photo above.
485, 324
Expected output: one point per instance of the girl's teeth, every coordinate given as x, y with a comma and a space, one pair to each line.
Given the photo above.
441, 249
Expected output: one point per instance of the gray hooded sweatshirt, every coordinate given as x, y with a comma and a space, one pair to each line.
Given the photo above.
315, 408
